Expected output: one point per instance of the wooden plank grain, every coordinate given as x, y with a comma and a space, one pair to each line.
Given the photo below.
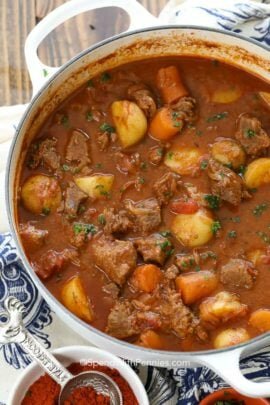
18, 17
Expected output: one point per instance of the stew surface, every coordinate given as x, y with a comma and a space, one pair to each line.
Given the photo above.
144, 204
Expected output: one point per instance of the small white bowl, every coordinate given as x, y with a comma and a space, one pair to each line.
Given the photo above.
70, 354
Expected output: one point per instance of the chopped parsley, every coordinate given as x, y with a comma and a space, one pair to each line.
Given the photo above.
249, 133
199, 132
216, 226
84, 228
197, 268
45, 72
105, 77
89, 116
100, 187
165, 233
90, 83
102, 219
242, 169
264, 237
213, 201
204, 164
46, 211
259, 209
98, 165
232, 234
65, 168
208, 255
217, 117
236, 219
176, 123
143, 166
65, 121
107, 128
169, 155
160, 152
141, 180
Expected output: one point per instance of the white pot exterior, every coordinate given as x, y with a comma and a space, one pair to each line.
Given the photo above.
148, 43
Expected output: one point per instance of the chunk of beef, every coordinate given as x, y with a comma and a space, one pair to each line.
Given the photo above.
143, 97
111, 289
145, 214
172, 272
177, 317
44, 153
225, 183
73, 198
117, 258
221, 308
53, 262
184, 110
127, 163
77, 149
165, 187
251, 135
238, 273
125, 320
155, 155
122, 320
185, 262
153, 248
116, 222
32, 237
103, 140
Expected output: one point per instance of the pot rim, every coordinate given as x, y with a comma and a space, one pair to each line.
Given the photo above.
41, 287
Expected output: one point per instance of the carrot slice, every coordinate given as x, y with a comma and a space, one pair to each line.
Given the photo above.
260, 319
170, 84
146, 277
184, 207
194, 286
150, 339
164, 126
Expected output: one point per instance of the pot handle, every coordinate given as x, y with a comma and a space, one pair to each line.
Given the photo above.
38, 71
227, 366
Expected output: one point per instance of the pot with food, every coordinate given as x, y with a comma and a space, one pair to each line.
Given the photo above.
140, 202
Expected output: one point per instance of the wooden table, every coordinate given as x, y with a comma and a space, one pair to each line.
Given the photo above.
18, 17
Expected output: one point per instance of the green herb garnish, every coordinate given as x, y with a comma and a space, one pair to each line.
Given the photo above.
232, 234
216, 226
242, 169
259, 209
65, 121
264, 237
204, 164
105, 77
89, 116
85, 228
46, 211
90, 83
217, 117
249, 133
65, 168
107, 128
102, 219
45, 72
165, 233
213, 201
169, 155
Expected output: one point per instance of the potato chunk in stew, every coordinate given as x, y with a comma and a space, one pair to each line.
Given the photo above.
260, 320
130, 122
257, 173
226, 95
96, 186
75, 299
41, 194
193, 229
183, 160
231, 337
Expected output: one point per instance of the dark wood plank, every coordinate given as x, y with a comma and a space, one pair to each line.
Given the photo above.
18, 17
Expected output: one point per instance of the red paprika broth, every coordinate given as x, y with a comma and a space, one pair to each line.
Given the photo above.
179, 202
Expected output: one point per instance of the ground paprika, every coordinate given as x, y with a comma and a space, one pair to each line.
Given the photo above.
45, 391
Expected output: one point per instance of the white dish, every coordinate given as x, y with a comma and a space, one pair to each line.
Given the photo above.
71, 354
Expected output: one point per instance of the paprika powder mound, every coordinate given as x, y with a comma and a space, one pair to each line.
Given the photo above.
87, 396
45, 391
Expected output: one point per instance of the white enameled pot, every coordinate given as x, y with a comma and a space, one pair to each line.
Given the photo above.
148, 41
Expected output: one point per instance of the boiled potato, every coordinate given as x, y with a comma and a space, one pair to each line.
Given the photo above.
193, 229
183, 160
41, 194
74, 298
257, 173
150, 339
231, 337
130, 122
96, 186
265, 96
256, 256
222, 307
226, 96
228, 152
260, 320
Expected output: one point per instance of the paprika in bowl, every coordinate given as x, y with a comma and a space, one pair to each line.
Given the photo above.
33, 383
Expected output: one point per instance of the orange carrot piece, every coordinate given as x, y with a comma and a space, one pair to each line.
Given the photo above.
146, 277
194, 286
163, 126
151, 340
260, 319
170, 84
